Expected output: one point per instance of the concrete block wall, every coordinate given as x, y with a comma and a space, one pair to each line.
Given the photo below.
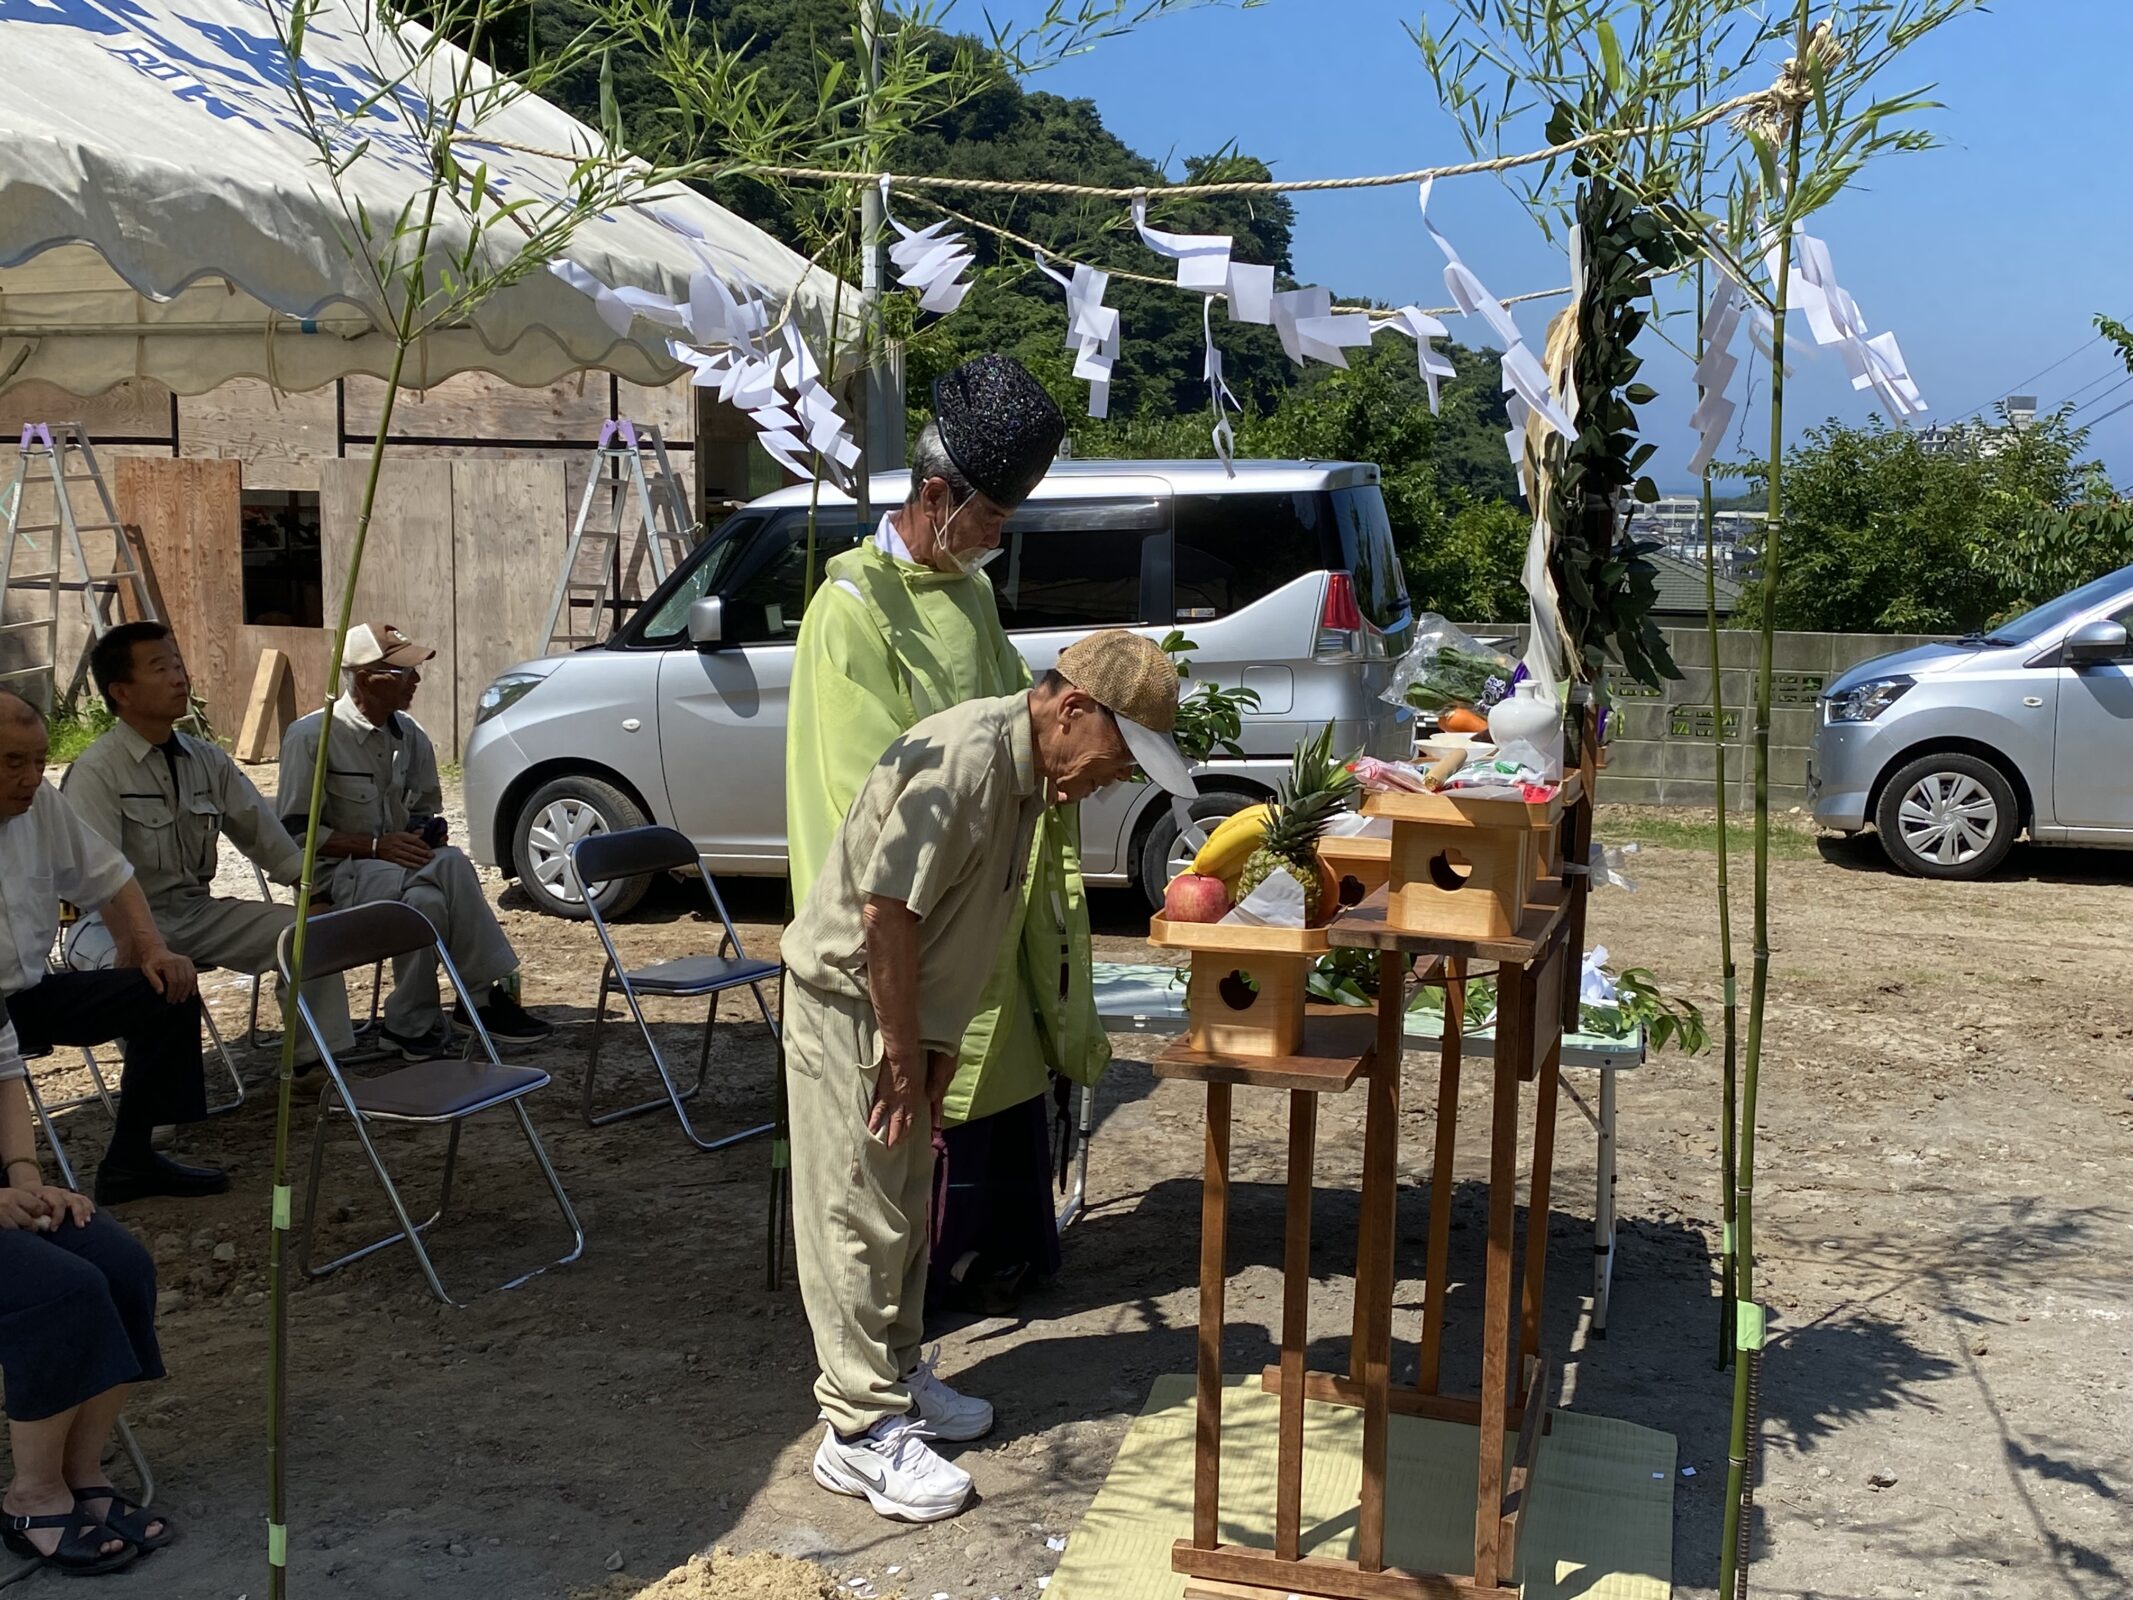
1660, 751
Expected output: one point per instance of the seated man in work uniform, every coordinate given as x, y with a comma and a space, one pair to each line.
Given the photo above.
165, 799
889, 957
382, 833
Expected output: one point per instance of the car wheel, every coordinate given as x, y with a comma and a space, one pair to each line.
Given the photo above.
1947, 816
1165, 852
556, 816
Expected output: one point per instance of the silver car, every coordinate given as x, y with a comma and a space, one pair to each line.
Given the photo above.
1284, 578
1951, 750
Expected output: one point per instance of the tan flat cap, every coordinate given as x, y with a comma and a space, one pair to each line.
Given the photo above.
1133, 679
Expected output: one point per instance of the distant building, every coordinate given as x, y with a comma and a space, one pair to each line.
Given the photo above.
1681, 591
1675, 524
1978, 437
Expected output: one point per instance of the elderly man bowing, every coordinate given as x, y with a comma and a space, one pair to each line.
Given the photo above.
890, 956
903, 627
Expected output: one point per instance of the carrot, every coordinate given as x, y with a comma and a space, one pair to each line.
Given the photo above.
1461, 720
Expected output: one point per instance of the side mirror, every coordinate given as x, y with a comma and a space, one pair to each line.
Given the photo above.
707, 623
2100, 640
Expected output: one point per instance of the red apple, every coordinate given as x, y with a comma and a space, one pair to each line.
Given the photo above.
1192, 898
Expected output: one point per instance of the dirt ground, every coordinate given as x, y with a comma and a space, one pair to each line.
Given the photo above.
1943, 1231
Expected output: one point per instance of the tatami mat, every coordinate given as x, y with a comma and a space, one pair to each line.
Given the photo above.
1600, 1525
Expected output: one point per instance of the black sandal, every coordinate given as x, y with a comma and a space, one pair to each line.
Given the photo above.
76, 1554
128, 1519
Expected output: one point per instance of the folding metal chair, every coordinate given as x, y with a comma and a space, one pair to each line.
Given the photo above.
428, 1094
633, 853
253, 1038
66, 963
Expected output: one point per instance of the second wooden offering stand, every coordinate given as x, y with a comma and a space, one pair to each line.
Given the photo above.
1537, 990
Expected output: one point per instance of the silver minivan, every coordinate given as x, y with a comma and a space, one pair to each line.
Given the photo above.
1284, 577
1950, 750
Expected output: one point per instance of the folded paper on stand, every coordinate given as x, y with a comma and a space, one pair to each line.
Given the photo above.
1276, 903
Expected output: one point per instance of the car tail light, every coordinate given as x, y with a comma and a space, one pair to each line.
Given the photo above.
1340, 623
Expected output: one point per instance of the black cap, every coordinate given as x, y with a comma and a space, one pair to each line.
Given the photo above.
1001, 429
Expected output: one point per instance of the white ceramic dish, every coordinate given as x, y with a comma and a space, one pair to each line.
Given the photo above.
1440, 745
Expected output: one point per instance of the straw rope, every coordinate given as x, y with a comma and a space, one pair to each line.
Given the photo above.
1789, 91
1170, 283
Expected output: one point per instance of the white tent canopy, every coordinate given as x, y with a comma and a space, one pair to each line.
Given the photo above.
163, 214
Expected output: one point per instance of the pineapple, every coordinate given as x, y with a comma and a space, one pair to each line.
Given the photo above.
1316, 788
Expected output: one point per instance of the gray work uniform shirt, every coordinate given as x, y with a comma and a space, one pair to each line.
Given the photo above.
944, 823
123, 787
376, 777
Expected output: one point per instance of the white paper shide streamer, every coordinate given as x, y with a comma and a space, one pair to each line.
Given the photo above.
1873, 360
930, 260
1525, 380
1714, 412
726, 342
1204, 266
1092, 329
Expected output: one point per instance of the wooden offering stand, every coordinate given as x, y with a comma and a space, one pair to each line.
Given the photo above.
1249, 984
1536, 960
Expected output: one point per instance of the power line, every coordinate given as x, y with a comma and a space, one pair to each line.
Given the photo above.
2023, 383
2110, 413
2113, 370
2120, 384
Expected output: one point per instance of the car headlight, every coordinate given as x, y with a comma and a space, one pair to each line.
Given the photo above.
505, 693
1865, 701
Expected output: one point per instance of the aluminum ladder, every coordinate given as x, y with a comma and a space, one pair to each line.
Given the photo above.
644, 502
59, 455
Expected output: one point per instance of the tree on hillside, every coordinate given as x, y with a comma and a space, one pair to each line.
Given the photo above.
1885, 536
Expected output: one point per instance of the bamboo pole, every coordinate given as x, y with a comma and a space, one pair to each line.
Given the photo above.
1729, 1094
277, 1238
1747, 1372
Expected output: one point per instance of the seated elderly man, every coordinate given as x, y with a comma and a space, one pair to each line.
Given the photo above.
77, 1325
47, 854
383, 832
165, 799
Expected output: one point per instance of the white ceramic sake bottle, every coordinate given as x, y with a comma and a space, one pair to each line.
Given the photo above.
1526, 717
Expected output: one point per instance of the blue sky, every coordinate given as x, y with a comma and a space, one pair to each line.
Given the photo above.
1986, 257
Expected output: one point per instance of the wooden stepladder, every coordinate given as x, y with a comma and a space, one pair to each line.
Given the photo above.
644, 523
110, 585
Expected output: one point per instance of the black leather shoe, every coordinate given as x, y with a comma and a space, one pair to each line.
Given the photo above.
115, 1185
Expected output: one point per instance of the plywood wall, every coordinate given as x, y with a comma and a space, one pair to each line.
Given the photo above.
281, 438
187, 512
509, 533
407, 575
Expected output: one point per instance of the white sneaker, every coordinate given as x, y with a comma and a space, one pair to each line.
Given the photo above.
947, 1415
893, 1467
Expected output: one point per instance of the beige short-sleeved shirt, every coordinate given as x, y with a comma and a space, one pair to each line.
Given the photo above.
944, 823
123, 787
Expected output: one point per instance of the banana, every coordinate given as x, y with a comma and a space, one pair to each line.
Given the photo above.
1232, 842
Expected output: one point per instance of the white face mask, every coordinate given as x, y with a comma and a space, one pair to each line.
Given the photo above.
966, 562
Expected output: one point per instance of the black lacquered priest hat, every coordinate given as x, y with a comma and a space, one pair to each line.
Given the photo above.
1001, 429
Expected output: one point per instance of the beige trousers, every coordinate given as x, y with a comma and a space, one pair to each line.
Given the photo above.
238, 936
448, 892
860, 1213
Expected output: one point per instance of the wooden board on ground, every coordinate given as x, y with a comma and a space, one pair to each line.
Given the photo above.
269, 711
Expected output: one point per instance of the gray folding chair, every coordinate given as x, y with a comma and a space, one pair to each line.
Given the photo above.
65, 963
632, 853
427, 1094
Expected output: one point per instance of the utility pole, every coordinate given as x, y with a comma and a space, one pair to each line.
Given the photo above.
866, 392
